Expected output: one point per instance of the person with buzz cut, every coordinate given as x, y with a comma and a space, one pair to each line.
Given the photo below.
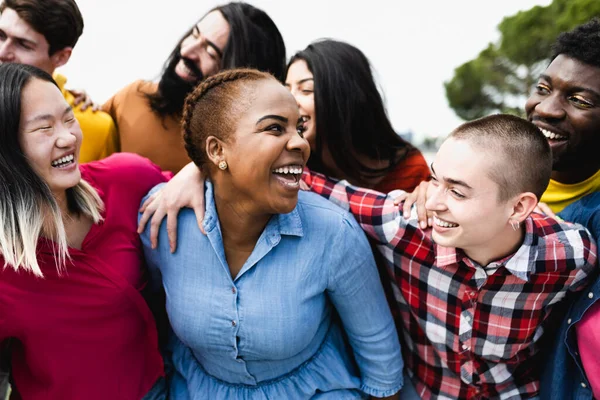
43, 34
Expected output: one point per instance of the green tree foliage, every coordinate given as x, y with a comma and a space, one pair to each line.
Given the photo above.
502, 75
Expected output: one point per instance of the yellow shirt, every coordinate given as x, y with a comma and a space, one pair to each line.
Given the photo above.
559, 195
100, 137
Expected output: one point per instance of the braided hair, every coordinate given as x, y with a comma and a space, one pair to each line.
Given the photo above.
212, 109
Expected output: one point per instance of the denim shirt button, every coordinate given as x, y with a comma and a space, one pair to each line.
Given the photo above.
569, 321
591, 295
583, 385
233, 290
233, 323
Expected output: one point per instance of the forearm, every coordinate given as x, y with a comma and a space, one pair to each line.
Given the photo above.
376, 212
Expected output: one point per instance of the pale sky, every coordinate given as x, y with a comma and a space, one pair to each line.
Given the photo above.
413, 46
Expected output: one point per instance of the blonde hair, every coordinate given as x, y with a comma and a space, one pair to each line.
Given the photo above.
25, 218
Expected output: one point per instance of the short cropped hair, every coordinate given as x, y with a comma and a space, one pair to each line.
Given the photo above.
581, 43
213, 107
522, 155
60, 21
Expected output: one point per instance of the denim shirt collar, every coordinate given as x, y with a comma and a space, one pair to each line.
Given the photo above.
280, 224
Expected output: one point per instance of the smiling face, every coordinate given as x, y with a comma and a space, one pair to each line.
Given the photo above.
20, 43
267, 153
300, 82
565, 105
465, 201
202, 51
49, 135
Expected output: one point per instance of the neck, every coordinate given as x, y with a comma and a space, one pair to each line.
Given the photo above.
241, 226
578, 174
61, 200
503, 245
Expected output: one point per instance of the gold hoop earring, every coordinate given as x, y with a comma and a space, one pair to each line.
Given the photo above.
223, 165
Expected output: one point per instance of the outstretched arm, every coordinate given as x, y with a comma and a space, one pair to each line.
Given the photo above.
375, 212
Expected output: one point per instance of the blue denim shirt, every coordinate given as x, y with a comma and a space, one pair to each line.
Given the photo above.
563, 376
272, 332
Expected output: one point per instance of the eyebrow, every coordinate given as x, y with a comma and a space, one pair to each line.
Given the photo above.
305, 80
453, 181
44, 117
576, 88
20, 39
300, 82
277, 117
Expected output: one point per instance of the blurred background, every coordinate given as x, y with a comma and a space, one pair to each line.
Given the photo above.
437, 62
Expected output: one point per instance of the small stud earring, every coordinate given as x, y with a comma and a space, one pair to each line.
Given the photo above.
223, 165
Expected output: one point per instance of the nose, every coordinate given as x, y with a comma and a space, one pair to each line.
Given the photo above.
550, 107
299, 144
65, 138
6, 53
436, 198
191, 46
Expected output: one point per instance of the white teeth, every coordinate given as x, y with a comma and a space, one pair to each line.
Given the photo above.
289, 169
63, 160
443, 224
552, 135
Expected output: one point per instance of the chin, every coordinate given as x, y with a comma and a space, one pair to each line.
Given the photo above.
286, 207
443, 240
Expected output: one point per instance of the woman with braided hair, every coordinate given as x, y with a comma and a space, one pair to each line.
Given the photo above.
281, 298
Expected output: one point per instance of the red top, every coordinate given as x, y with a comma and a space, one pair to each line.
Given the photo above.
88, 334
588, 340
409, 172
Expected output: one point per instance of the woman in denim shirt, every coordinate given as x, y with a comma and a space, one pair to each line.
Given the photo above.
254, 303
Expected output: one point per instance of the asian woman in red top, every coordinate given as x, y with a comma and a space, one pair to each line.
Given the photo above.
72, 276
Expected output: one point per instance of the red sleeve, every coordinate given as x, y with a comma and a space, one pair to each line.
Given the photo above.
127, 172
407, 175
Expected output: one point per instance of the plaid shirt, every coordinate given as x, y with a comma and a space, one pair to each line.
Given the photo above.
470, 331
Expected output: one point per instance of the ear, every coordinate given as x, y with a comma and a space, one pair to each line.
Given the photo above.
60, 57
523, 205
215, 150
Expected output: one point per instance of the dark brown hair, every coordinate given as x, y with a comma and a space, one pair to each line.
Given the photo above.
525, 159
60, 21
212, 109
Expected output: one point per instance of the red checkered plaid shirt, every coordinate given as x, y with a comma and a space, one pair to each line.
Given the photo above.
469, 331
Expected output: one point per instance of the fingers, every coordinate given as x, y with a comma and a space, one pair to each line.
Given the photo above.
303, 185
155, 222
147, 209
543, 208
199, 210
400, 198
172, 229
418, 198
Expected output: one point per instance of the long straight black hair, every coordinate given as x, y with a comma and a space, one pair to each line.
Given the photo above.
351, 118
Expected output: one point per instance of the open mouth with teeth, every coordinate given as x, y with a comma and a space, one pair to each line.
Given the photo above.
289, 175
442, 223
304, 119
64, 162
552, 135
